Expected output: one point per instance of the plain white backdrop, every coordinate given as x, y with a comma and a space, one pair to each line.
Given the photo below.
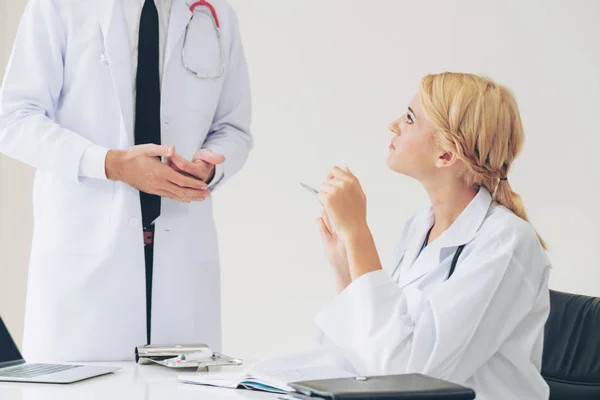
327, 78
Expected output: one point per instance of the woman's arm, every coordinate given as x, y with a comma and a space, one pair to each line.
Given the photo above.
362, 253
345, 204
335, 251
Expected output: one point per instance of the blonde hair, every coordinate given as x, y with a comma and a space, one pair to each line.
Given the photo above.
479, 121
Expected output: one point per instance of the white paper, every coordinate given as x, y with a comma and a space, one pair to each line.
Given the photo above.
275, 372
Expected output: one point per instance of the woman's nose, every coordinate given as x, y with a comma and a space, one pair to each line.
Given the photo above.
395, 128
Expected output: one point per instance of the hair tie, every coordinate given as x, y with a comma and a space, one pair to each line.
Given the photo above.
504, 179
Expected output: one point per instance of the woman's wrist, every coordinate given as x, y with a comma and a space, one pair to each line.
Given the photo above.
362, 252
342, 282
356, 235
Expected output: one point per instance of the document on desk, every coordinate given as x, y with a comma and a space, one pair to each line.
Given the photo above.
275, 381
271, 375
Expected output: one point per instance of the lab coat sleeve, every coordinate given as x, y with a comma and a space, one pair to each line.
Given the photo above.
455, 329
230, 131
29, 95
93, 162
217, 177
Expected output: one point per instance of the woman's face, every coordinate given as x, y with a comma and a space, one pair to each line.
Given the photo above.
413, 151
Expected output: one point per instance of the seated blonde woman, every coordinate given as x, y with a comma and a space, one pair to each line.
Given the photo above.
466, 296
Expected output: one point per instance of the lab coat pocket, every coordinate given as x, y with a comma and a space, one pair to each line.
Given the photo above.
75, 218
199, 88
202, 52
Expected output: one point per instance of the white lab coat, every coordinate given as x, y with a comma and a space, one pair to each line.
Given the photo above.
483, 327
69, 88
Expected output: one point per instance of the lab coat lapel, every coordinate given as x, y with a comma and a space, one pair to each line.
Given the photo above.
118, 55
410, 269
460, 233
180, 16
468, 222
427, 260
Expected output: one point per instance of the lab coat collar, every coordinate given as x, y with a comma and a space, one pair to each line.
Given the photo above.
468, 222
460, 232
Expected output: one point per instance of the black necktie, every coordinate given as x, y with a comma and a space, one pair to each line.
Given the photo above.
147, 127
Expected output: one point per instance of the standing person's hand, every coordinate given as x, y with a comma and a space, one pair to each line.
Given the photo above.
201, 167
141, 167
335, 251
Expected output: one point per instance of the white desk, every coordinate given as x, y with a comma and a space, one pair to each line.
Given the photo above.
132, 382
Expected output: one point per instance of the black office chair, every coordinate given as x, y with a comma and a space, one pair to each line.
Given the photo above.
571, 362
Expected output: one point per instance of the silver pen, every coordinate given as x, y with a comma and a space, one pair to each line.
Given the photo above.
310, 189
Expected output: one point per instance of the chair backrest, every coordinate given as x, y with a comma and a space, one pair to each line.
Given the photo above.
571, 362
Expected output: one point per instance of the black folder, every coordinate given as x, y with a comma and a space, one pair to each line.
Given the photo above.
389, 387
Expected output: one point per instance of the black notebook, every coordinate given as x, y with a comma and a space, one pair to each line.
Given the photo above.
390, 387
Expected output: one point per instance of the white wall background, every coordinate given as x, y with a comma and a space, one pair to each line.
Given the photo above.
15, 202
327, 77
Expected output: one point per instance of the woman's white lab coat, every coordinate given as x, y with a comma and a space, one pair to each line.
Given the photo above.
68, 91
483, 327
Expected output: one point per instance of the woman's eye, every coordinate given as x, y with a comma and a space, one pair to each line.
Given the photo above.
409, 119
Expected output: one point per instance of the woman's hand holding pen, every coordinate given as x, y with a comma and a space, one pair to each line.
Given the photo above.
345, 206
344, 202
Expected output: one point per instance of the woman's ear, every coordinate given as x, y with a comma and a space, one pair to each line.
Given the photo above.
446, 159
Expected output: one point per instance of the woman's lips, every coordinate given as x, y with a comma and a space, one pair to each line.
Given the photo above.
392, 147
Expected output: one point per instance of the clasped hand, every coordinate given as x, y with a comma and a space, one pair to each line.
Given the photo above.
172, 177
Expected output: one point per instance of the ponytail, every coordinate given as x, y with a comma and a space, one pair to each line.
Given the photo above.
479, 121
508, 198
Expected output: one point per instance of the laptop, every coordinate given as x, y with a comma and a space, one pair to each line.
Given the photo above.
13, 367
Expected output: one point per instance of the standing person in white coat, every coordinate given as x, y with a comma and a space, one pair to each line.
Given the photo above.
465, 297
124, 246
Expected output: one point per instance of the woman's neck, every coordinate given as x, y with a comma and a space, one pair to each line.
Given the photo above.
448, 202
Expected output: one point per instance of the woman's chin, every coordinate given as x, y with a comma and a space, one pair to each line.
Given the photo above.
398, 167
394, 164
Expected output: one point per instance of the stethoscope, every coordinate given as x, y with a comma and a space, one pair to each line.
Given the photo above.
206, 6
457, 253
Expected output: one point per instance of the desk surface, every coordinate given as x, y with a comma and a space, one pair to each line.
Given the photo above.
132, 382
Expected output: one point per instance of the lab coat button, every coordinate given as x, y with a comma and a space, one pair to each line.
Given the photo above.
133, 221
